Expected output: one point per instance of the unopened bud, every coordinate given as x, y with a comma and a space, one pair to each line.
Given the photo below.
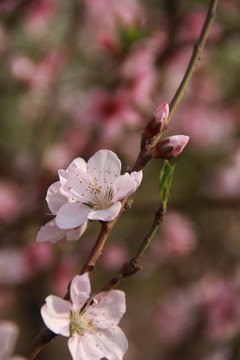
157, 121
170, 147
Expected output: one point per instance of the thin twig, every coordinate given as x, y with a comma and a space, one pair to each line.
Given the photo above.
132, 266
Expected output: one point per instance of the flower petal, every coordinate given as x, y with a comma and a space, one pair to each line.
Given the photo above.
107, 309
79, 164
72, 215
56, 315
107, 214
137, 176
76, 185
104, 164
125, 185
79, 291
50, 232
79, 349
75, 234
54, 198
110, 344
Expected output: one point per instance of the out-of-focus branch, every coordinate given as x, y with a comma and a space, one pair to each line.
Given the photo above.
197, 49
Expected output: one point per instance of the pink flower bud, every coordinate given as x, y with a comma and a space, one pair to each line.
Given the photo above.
170, 147
157, 121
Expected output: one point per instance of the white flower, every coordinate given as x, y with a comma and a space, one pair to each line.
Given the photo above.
51, 232
8, 337
91, 324
94, 189
86, 191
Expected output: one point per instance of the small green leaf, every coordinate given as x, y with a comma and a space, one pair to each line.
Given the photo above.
165, 181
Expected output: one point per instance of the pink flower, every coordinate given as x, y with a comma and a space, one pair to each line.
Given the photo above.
39, 76
109, 113
174, 317
8, 337
48, 69
51, 232
222, 353
39, 256
114, 256
206, 124
65, 271
193, 24
14, 269
179, 237
219, 298
22, 68
39, 14
139, 71
226, 182
91, 323
57, 156
226, 179
94, 189
104, 19
10, 200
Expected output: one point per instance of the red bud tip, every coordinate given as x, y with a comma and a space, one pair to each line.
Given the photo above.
157, 121
170, 147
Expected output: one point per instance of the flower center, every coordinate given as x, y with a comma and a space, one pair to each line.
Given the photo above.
101, 197
78, 324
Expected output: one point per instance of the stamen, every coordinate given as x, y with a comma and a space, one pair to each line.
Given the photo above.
79, 324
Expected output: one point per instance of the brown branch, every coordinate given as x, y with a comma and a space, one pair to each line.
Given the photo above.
94, 255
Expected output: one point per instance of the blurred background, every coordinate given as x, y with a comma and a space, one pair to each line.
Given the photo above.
77, 76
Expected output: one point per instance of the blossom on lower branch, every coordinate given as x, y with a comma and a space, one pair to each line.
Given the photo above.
91, 323
87, 191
